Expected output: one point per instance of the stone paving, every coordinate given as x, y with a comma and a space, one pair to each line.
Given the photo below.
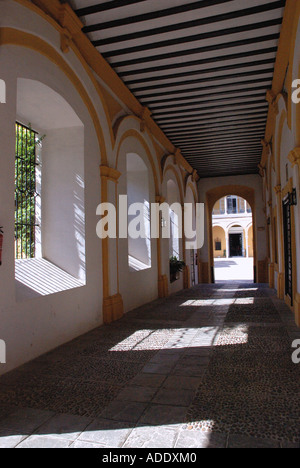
207, 368
232, 269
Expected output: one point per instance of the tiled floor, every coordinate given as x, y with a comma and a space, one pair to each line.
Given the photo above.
209, 367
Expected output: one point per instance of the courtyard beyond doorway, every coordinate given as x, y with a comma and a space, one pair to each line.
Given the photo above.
233, 269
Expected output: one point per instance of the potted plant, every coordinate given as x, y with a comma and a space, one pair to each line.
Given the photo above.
176, 267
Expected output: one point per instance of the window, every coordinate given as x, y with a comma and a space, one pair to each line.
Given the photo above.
232, 205
25, 192
218, 245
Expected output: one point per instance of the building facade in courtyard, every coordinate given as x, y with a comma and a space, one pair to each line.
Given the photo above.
232, 228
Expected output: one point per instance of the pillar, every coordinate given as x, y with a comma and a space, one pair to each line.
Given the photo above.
271, 275
163, 284
186, 271
227, 244
113, 308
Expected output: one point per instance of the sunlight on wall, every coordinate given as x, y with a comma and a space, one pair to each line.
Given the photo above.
139, 248
174, 244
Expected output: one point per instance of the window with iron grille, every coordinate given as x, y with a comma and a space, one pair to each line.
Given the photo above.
218, 245
25, 192
232, 205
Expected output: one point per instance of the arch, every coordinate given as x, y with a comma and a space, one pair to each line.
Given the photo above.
10, 36
212, 196
234, 224
190, 184
135, 134
59, 209
179, 182
166, 160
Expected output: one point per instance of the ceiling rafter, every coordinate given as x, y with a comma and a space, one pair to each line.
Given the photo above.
202, 68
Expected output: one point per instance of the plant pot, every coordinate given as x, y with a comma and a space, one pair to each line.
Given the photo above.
174, 276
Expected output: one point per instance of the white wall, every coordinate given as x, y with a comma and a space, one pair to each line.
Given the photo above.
137, 287
63, 210
173, 196
35, 326
138, 192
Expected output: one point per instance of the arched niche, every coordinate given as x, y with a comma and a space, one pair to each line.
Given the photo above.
59, 186
138, 183
139, 242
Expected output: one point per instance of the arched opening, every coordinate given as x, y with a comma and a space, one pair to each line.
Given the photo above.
139, 240
175, 238
49, 193
232, 239
191, 250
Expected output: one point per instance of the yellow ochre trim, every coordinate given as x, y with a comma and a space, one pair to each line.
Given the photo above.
297, 309
135, 134
10, 36
113, 308
294, 157
179, 182
282, 60
293, 34
69, 28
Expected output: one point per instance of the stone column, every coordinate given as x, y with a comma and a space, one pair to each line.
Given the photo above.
247, 243
163, 284
186, 271
271, 275
227, 244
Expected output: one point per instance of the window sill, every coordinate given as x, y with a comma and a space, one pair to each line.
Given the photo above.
136, 265
37, 277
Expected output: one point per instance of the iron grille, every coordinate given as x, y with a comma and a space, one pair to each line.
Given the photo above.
288, 249
25, 192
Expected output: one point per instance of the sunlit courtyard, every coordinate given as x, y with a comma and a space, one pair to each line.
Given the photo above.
234, 269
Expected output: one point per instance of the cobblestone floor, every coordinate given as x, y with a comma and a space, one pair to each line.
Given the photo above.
210, 367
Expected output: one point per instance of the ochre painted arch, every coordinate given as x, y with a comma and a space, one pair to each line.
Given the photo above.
10, 36
135, 134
